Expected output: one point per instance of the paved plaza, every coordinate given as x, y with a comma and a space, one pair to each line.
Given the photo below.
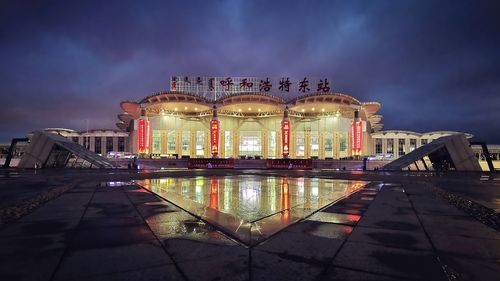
103, 225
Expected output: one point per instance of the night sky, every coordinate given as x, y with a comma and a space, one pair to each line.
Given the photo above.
433, 65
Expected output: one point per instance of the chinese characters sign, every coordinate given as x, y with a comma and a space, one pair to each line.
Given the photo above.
214, 136
234, 85
285, 125
143, 132
356, 137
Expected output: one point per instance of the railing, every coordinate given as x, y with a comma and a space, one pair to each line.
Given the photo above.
290, 164
210, 163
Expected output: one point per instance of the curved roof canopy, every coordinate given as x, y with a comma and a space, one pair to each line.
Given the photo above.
250, 103
324, 102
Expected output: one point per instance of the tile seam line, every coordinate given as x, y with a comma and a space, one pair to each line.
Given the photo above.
156, 237
329, 263
311, 214
217, 228
73, 234
444, 266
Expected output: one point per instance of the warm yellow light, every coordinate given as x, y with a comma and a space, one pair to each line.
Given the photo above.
313, 109
185, 107
258, 109
239, 109
175, 109
322, 110
249, 108
303, 110
196, 108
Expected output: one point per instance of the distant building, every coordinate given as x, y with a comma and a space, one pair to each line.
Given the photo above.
108, 143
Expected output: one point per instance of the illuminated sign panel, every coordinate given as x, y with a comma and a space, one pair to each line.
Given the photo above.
214, 136
143, 132
234, 85
285, 125
356, 137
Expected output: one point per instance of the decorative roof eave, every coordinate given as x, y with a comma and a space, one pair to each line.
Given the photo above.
157, 94
318, 94
371, 107
131, 107
277, 99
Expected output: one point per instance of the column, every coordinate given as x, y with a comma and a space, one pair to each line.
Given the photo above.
336, 145
192, 144
321, 153
264, 141
236, 143
178, 143
307, 144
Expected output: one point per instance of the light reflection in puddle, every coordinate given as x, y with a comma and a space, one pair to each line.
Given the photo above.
251, 207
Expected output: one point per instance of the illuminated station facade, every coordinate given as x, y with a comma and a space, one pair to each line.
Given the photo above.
217, 117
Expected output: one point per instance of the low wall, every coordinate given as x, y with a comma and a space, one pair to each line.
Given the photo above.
254, 164
348, 164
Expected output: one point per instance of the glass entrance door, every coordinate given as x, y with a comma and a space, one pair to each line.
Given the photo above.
250, 144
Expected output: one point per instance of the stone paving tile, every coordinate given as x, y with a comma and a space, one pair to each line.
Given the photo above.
335, 218
41, 227
30, 257
270, 267
457, 225
81, 263
141, 196
467, 246
111, 209
46, 213
436, 207
321, 229
347, 208
160, 212
218, 267
111, 236
414, 239
109, 197
473, 269
341, 274
390, 261
101, 222
185, 249
300, 245
166, 272
384, 219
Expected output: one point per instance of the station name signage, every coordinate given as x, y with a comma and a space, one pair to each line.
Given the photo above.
233, 85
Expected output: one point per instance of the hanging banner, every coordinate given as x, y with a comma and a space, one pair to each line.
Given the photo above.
285, 125
356, 137
214, 136
143, 135
359, 136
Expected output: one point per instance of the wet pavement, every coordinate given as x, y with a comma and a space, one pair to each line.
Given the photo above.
251, 208
394, 228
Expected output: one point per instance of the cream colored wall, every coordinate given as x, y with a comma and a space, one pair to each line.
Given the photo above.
235, 125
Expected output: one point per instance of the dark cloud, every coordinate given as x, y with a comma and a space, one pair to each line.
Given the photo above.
432, 64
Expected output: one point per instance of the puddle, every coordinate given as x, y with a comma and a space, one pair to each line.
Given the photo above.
251, 207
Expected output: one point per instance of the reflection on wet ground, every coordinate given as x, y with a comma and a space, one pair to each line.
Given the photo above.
249, 207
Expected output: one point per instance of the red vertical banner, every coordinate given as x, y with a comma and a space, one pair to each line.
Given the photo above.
285, 127
356, 137
143, 135
353, 139
214, 136
359, 136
